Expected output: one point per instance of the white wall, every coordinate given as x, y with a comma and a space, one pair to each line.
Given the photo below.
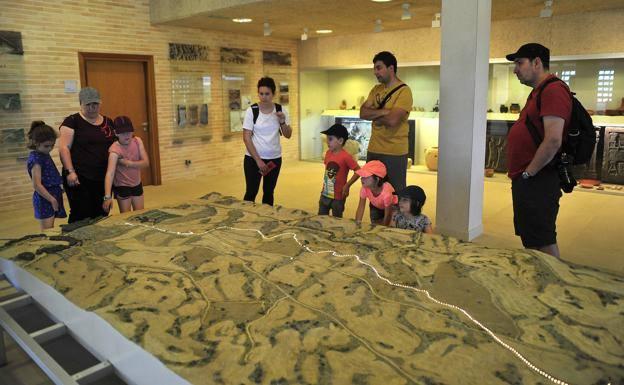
313, 97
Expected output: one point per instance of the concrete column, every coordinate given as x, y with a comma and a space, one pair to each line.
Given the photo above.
463, 106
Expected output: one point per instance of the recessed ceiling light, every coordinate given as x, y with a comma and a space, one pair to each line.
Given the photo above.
324, 31
242, 20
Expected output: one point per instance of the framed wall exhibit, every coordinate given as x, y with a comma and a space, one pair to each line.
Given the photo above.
191, 88
13, 122
238, 86
278, 65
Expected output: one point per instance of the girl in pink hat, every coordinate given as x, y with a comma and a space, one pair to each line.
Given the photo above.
378, 191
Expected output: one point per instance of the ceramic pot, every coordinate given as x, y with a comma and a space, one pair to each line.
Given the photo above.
514, 108
431, 158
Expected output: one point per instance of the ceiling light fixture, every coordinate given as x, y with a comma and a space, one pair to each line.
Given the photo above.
381, 1
407, 15
547, 10
435, 23
378, 26
267, 29
324, 31
304, 35
242, 20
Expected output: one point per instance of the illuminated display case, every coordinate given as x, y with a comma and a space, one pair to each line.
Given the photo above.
598, 84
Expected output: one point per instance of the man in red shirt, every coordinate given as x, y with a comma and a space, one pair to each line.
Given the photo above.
535, 182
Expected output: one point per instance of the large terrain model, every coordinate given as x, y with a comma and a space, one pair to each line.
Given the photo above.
224, 292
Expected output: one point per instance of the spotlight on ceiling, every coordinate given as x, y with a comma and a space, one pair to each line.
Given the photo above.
547, 10
324, 31
242, 20
435, 23
407, 15
267, 29
304, 35
378, 26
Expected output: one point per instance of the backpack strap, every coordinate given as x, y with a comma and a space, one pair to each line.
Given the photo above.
255, 109
278, 108
537, 139
389, 95
541, 89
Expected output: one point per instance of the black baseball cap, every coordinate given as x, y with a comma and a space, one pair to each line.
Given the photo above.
531, 51
415, 193
122, 124
337, 130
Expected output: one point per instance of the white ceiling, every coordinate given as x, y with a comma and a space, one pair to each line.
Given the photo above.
287, 18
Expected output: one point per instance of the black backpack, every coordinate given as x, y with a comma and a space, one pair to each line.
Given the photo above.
255, 109
581, 139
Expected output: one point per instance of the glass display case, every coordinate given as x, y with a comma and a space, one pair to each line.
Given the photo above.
238, 85
14, 122
278, 66
191, 96
598, 84
191, 91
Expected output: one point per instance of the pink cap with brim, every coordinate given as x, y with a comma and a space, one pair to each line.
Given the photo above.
374, 167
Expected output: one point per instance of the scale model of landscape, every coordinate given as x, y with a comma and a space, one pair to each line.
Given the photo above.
225, 292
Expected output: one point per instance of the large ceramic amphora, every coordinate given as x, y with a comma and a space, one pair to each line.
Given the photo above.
431, 158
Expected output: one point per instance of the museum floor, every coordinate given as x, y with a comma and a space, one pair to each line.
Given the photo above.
589, 224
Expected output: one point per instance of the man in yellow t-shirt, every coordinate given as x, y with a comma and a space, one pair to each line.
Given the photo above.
389, 136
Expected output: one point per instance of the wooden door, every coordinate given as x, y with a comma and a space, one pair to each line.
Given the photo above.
123, 88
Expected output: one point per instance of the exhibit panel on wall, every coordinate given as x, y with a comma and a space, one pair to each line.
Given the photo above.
278, 66
191, 83
238, 85
13, 122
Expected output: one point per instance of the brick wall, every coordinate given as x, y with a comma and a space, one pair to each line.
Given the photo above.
53, 32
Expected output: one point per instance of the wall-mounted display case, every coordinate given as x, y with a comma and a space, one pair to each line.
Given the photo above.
238, 85
191, 96
191, 90
598, 84
14, 122
278, 66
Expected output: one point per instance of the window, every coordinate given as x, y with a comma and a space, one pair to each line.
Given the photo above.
604, 91
566, 75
